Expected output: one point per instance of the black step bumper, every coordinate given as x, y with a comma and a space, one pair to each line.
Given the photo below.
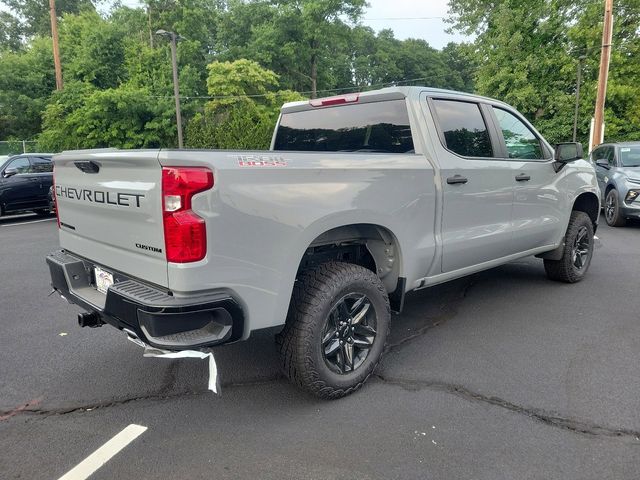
154, 315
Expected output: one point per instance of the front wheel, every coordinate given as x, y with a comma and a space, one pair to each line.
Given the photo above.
612, 213
578, 251
336, 329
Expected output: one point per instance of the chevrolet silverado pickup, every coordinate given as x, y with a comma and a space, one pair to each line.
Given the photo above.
361, 199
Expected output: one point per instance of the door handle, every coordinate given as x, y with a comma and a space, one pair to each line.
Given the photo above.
523, 177
457, 179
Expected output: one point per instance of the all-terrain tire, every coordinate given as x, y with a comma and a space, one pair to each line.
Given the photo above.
569, 269
316, 293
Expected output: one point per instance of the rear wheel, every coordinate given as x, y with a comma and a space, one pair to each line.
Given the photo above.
336, 329
578, 251
612, 213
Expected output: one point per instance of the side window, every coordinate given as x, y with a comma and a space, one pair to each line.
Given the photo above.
464, 129
520, 140
611, 156
21, 164
41, 165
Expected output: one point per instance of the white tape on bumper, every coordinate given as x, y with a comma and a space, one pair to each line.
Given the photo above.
149, 351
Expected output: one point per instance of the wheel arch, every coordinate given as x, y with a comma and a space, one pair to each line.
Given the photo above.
588, 203
370, 245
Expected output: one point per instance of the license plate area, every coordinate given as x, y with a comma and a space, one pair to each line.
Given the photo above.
103, 278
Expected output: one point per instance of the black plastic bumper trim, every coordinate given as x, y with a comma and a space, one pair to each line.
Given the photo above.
132, 304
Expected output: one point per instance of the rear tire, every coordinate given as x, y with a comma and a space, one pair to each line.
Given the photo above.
578, 251
612, 213
336, 329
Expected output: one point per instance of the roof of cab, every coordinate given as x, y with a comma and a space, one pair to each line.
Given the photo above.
389, 93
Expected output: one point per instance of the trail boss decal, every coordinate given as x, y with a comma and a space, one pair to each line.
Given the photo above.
260, 161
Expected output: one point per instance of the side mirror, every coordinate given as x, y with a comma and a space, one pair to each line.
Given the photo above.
603, 163
568, 152
10, 172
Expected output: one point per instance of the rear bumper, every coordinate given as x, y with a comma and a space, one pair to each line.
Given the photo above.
154, 315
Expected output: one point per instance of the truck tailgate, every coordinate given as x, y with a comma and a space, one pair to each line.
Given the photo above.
110, 210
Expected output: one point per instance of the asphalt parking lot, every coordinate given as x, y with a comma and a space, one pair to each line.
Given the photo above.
502, 375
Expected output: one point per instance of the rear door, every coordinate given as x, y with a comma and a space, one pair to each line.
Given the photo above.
539, 207
477, 187
110, 210
19, 191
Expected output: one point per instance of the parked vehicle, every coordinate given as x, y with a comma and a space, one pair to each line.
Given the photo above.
24, 183
618, 170
361, 199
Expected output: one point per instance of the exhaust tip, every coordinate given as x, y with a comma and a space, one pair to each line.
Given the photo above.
91, 320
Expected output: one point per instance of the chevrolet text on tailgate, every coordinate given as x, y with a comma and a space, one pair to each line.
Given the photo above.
361, 199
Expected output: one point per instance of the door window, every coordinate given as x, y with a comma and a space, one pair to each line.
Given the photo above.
464, 129
521, 142
41, 165
21, 164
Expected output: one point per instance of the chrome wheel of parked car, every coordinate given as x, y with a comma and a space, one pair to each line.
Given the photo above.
349, 333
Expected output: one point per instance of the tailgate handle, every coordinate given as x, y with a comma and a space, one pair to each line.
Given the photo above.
88, 167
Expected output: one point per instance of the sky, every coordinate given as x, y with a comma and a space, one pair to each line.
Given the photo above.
420, 19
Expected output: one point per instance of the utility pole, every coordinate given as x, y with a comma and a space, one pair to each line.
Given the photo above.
176, 88
607, 38
56, 48
578, 84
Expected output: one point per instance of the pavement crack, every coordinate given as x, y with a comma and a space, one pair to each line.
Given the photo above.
162, 394
548, 418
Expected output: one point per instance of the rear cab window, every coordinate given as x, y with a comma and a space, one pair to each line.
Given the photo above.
375, 127
463, 128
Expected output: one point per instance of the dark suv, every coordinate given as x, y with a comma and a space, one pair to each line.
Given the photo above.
24, 183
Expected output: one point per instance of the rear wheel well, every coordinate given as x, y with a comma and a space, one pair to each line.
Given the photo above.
588, 203
370, 246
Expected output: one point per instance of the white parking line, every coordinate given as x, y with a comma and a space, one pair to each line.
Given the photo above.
28, 223
102, 455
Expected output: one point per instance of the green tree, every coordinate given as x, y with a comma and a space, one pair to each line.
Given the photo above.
33, 15
243, 109
25, 84
81, 116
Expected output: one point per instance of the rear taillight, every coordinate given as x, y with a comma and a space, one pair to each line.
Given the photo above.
185, 235
53, 196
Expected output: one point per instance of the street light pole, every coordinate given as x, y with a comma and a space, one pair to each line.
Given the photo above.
176, 87
578, 84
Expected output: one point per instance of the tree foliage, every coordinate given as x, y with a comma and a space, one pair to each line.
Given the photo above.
528, 53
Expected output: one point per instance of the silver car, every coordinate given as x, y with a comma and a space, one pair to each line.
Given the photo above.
618, 171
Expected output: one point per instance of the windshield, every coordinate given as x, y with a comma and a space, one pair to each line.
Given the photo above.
630, 156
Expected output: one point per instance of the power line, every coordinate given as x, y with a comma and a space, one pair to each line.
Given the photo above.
402, 18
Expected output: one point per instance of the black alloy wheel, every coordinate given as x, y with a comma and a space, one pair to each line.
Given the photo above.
349, 333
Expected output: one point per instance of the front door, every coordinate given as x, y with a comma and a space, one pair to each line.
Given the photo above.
538, 205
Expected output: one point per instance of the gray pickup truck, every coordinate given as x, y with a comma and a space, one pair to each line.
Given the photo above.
361, 199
